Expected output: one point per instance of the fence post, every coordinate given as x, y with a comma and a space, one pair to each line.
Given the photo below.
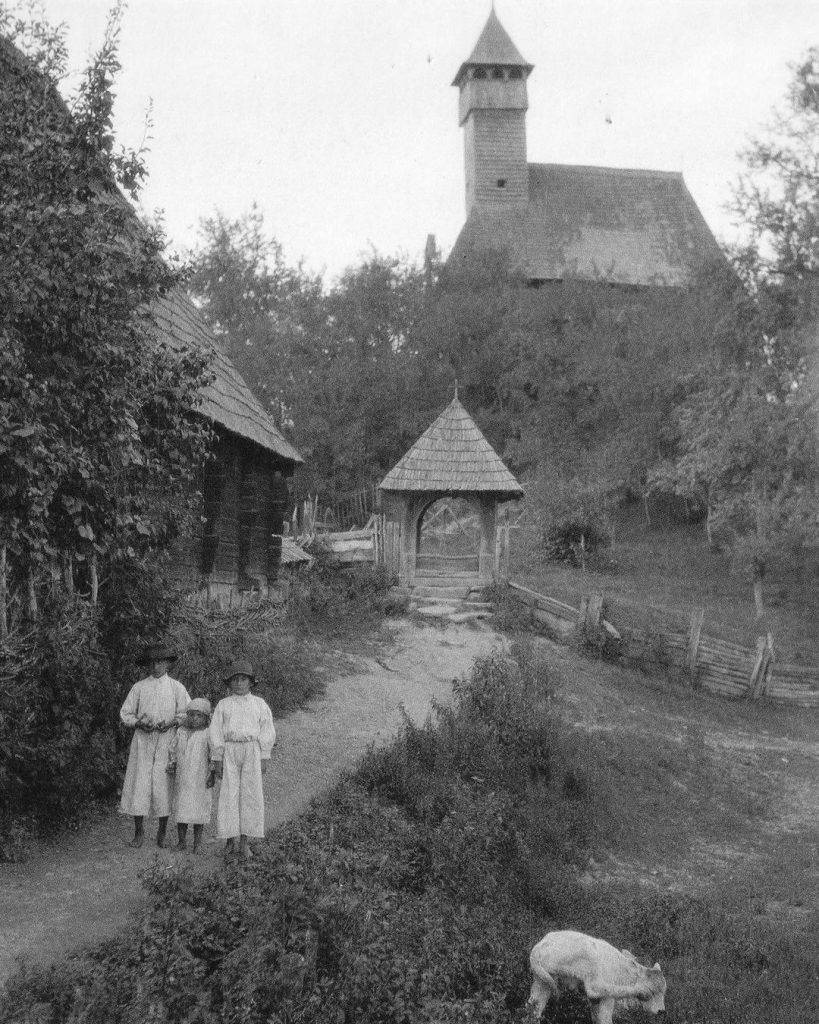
4, 622
694, 631
95, 582
762, 664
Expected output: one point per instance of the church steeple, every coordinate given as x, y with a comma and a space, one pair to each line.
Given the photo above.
492, 111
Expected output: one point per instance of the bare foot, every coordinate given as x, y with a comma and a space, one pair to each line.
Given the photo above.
244, 851
136, 842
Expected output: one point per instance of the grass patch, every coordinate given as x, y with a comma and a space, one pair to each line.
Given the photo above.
656, 573
415, 890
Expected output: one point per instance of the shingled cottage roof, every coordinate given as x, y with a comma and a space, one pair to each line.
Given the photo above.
227, 401
452, 455
495, 48
636, 227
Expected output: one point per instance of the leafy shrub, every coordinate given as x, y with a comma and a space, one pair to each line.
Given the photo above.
334, 597
57, 736
573, 516
208, 640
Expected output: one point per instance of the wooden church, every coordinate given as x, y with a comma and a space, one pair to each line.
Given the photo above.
558, 222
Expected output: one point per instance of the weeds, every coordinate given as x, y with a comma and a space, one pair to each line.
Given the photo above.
414, 891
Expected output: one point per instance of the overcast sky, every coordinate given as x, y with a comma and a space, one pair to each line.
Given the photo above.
338, 118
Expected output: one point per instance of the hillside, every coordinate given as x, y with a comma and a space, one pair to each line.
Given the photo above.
655, 573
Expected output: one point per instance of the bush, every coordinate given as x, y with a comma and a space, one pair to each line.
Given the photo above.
57, 724
333, 597
572, 516
208, 640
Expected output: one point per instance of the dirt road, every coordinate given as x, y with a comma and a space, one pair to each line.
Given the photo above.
84, 890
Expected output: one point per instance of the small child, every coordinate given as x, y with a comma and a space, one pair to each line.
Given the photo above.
188, 759
153, 708
241, 739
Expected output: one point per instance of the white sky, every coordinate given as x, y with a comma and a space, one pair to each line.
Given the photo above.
337, 116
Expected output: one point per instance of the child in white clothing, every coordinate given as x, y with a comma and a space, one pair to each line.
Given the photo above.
241, 739
189, 760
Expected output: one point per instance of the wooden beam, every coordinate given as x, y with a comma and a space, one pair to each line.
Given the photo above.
694, 632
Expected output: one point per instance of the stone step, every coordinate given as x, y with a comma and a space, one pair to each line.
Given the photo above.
434, 582
438, 594
450, 574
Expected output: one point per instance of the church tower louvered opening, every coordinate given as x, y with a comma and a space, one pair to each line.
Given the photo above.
492, 112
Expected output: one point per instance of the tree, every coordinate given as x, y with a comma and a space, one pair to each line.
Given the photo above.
335, 367
99, 442
748, 427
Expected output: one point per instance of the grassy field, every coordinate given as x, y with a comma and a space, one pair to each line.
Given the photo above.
656, 573
560, 792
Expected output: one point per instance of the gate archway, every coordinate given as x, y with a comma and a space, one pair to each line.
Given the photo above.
443, 497
448, 538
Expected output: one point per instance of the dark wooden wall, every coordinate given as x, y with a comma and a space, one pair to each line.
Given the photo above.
246, 497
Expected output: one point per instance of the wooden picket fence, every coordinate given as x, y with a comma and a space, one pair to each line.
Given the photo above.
704, 661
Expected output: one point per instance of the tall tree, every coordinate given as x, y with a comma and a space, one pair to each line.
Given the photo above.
99, 444
748, 428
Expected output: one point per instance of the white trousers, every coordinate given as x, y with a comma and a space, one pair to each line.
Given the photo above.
240, 811
146, 791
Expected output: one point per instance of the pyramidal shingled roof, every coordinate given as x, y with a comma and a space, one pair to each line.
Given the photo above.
494, 46
452, 455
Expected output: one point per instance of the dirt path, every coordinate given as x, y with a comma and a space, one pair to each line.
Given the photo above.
84, 890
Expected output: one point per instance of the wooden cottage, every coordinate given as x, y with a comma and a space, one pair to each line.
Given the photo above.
451, 462
247, 485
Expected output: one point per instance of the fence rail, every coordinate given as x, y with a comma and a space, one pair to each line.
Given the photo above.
709, 662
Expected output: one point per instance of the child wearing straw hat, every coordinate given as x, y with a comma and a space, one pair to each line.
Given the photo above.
153, 708
189, 760
241, 739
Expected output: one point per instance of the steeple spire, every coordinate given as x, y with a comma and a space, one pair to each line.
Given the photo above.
492, 111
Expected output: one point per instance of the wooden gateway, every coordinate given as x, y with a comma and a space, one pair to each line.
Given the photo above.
451, 477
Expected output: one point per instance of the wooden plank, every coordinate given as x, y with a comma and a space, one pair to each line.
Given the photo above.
694, 631
756, 684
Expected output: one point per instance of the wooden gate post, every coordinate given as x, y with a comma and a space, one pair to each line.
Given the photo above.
762, 667
694, 631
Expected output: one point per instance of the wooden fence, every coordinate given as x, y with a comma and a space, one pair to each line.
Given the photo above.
704, 661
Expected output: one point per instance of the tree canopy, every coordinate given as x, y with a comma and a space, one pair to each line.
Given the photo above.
99, 443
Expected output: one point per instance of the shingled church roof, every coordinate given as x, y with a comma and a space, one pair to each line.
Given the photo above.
636, 227
452, 455
495, 48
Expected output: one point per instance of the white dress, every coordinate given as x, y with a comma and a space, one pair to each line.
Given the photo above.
147, 787
189, 752
241, 734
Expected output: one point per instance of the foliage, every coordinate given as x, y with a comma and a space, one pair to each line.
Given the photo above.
58, 745
332, 366
100, 444
338, 598
414, 891
747, 430
208, 640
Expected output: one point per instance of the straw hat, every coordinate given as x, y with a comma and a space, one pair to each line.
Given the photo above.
157, 652
240, 668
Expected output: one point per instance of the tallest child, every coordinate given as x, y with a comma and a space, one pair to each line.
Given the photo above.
153, 709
